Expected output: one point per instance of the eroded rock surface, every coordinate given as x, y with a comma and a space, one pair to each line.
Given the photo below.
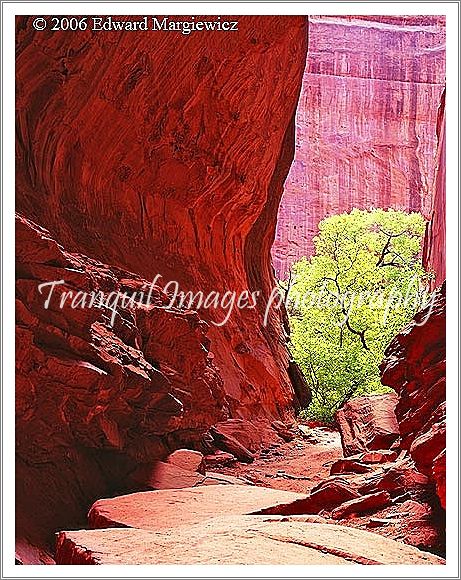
94, 401
155, 510
415, 366
393, 497
173, 174
366, 503
368, 423
366, 125
136, 171
435, 241
410, 512
133, 177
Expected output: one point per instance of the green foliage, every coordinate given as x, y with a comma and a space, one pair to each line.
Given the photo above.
346, 303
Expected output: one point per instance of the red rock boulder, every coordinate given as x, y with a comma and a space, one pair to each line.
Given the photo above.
364, 504
219, 459
399, 479
368, 423
188, 460
382, 456
349, 465
329, 494
253, 435
439, 474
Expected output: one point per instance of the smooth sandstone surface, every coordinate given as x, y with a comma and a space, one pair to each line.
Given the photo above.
155, 510
237, 540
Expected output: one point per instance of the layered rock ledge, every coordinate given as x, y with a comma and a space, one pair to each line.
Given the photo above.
191, 537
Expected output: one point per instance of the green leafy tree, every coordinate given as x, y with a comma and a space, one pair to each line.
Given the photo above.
362, 285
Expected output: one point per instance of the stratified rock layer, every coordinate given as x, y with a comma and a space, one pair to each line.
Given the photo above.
415, 366
435, 240
142, 154
160, 153
93, 400
366, 123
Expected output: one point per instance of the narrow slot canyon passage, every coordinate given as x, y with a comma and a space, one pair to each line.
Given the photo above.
156, 433
366, 138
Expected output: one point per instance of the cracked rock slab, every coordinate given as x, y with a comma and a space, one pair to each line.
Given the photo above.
170, 508
237, 540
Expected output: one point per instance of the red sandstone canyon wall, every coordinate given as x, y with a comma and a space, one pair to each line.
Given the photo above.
141, 154
435, 239
365, 125
415, 361
415, 366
